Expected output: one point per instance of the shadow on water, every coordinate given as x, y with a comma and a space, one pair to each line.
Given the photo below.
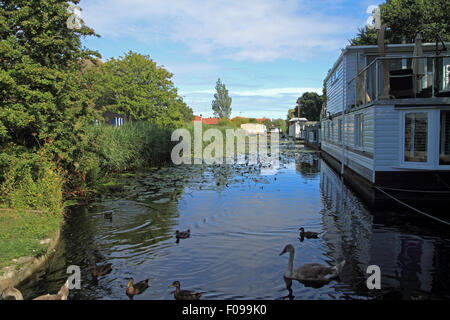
240, 218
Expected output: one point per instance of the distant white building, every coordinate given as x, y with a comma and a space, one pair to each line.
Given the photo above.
297, 128
254, 128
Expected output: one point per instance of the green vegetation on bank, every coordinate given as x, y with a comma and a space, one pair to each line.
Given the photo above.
52, 92
21, 233
132, 146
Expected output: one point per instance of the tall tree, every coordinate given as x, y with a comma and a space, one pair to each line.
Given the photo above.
221, 104
405, 18
311, 105
42, 99
136, 86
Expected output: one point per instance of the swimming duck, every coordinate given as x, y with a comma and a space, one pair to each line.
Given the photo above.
310, 272
100, 270
108, 214
62, 294
308, 234
11, 294
184, 294
136, 288
183, 234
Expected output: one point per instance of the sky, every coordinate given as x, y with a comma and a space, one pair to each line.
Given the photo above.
267, 52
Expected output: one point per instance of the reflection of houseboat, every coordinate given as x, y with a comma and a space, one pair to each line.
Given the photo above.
408, 262
297, 128
387, 119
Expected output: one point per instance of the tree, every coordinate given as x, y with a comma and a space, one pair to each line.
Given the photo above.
280, 123
43, 98
221, 104
135, 86
405, 18
311, 105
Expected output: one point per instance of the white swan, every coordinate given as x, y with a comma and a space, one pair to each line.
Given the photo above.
310, 272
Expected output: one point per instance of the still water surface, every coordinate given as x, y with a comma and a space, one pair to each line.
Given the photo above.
240, 218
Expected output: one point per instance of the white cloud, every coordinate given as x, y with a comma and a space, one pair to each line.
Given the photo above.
259, 30
270, 92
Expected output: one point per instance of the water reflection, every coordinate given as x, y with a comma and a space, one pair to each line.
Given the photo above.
240, 219
406, 254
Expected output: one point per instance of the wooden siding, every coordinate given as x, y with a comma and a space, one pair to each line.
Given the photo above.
387, 138
335, 91
358, 158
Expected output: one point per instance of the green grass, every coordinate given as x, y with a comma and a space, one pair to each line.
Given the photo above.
20, 233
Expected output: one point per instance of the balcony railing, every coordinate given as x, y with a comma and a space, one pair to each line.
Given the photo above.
406, 77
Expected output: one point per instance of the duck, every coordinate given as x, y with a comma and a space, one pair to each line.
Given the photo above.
100, 270
310, 272
183, 234
136, 288
108, 215
62, 294
11, 294
184, 294
308, 234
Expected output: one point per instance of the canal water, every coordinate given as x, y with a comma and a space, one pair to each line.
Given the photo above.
241, 217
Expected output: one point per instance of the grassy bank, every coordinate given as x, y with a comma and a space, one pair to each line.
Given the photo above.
21, 233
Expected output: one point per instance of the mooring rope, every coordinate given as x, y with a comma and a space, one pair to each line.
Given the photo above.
418, 191
412, 208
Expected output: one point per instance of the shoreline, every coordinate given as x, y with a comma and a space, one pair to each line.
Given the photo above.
12, 276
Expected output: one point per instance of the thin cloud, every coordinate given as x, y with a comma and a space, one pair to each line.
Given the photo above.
261, 30
270, 92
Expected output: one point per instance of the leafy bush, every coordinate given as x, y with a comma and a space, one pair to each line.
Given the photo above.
129, 147
31, 181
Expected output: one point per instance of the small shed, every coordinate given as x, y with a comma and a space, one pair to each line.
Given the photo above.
297, 128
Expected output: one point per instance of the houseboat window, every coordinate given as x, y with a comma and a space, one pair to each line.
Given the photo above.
340, 130
359, 132
444, 153
416, 136
328, 131
332, 131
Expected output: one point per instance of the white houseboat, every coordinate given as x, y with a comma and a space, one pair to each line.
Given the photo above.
386, 122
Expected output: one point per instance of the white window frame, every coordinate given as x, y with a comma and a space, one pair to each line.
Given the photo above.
358, 135
432, 141
438, 140
328, 131
340, 131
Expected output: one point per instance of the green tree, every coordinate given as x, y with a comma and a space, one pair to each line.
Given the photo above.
43, 98
365, 36
280, 123
405, 18
136, 86
221, 104
311, 105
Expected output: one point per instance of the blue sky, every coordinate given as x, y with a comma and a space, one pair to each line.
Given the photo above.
267, 52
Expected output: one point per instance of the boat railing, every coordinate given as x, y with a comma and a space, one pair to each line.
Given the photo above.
402, 77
